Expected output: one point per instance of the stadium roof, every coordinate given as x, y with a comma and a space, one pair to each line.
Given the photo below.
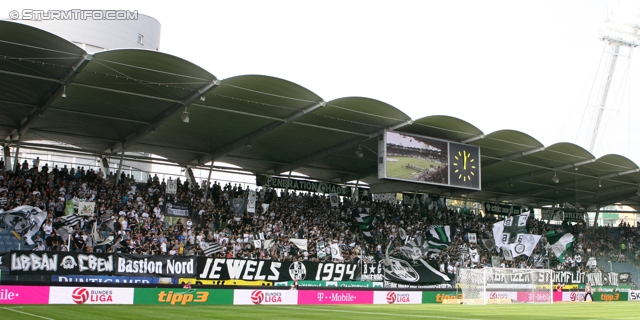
135, 99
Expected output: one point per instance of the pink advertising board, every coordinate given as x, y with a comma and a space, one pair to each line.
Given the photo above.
24, 295
534, 296
334, 297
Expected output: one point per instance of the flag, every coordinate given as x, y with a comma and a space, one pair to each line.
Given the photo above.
473, 238
495, 261
473, 254
300, 243
265, 207
335, 199
67, 221
440, 237
251, 205
559, 243
86, 208
98, 240
524, 244
257, 243
320, 250
172, 186
489, 243
365, 222
69, 209
25, 221
267, 244
210, 248
238, 205
335, 252
415, 248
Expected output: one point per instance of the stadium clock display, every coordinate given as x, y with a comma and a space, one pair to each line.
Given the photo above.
464, 165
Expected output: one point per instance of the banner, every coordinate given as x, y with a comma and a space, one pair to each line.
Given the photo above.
336, 253
397, 297
562, 214
413, 272
24, 221
156, 265
473, 238
334, 297
248, 269
251, 201
24, 295
112, 279
412, 199
277, 297
634, 295
178, 209
304, 185
181, 297
594, 278
86, 208
501, 209
90, 295
58, 262
172, 186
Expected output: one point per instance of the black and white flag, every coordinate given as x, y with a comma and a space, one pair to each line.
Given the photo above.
210, 248
472, 238
251, 201
67, 221
335, 199
415, 248
25, 221
238, 205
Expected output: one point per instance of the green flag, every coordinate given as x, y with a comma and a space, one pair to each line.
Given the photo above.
559, 243
68, 209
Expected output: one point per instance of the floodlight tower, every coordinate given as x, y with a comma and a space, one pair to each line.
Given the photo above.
621, 29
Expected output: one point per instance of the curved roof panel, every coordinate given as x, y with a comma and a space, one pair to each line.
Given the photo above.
147, 101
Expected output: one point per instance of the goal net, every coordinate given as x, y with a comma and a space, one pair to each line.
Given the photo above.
503, 285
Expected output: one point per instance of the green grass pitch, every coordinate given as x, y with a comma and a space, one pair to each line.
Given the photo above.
398, 169
595, 310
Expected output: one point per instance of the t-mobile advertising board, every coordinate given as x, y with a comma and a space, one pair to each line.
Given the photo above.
334, 297
90, 295
397, 297
24, 295
265, 296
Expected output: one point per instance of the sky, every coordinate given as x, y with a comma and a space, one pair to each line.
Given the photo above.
531, 66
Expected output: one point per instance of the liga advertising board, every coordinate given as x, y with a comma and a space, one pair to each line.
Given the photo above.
253, 297
90, 295
334, 297
24, 295
179, 296
397, 297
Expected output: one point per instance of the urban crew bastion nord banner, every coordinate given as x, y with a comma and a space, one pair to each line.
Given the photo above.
65, 263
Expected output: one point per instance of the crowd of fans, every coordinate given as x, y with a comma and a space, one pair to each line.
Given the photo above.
132, 213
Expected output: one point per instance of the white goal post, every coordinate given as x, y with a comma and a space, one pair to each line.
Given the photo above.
505, 285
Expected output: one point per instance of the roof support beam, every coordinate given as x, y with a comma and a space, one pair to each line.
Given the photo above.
88, 114
334, 149
516, 155
474, 138
506, 181
159, 119
257, 134
50, 97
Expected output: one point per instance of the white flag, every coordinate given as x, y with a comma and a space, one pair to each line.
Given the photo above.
473, 238
300, 243
335, 252
86, 208
257, 243
525, 244
334, 199
251, 205
475, 257
267, 244
172, 186
265, 207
